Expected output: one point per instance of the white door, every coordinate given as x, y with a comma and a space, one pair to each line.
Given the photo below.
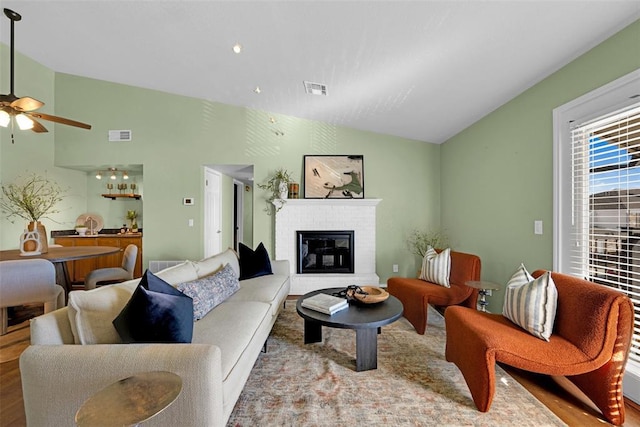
212, 213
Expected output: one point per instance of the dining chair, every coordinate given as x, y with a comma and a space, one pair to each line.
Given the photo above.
28, 281
114, 274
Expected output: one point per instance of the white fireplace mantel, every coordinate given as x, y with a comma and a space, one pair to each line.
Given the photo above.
358, 215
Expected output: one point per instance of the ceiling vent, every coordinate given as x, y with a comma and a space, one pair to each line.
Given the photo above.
119, 135
315, 88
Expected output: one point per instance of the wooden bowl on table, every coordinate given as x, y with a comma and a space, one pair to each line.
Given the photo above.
369, 294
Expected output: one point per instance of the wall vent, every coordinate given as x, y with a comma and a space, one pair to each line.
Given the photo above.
119, 135
155, 266
315, 88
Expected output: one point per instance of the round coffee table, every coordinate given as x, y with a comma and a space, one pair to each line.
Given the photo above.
366, 319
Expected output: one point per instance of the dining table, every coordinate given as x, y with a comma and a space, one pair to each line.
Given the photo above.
59, 257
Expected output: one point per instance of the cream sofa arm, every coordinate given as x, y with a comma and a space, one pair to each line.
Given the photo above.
57, 379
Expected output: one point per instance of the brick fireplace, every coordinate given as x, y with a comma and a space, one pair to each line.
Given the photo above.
358, 215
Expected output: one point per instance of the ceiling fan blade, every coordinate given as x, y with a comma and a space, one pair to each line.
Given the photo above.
37, 126
61, 120
26, 104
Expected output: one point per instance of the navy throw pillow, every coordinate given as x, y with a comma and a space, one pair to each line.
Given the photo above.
253, 263
156, 313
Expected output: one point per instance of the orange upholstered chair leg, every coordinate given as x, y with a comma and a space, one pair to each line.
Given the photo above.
604, 385
415, 307
471, 356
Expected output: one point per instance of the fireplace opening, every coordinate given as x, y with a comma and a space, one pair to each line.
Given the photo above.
325, 252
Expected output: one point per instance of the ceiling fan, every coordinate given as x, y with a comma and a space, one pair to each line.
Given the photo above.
23, 109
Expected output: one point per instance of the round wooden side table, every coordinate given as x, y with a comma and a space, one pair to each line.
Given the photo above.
130, 401
484, 288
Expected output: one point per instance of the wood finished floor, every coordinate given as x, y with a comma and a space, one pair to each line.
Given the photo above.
557, 394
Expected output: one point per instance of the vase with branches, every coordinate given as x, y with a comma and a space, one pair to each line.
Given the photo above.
32, 198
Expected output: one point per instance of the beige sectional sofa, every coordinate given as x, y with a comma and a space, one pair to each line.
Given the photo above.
59, 374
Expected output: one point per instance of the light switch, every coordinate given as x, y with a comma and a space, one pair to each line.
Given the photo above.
191, 223
395, 268
537, 227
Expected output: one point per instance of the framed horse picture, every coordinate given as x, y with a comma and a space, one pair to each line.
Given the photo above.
334, 177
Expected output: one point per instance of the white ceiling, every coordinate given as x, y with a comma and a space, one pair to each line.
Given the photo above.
417, 69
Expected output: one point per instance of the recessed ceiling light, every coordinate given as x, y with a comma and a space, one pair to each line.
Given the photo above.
237, 48
257, 89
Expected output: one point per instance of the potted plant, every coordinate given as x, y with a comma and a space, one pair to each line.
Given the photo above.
132, 216
418, 241
32, 198
278, 187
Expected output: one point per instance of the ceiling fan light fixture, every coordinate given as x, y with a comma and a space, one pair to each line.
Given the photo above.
5, 118
12, 105
24, 122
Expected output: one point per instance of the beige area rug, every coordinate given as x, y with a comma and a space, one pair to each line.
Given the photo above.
294, 384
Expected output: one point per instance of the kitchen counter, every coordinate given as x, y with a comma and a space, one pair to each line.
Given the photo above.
105, 232
100, 235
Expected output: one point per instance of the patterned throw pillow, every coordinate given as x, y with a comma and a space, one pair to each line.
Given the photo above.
436, 267
209, 291
531, 303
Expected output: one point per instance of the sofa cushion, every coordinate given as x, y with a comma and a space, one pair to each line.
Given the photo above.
91, 312
243, 318
254, 263
156, 312
209, 291
436, 267
179, 273
208, 266
531, 304
271, 289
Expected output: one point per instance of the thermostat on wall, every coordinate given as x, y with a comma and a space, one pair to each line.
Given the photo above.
187, 201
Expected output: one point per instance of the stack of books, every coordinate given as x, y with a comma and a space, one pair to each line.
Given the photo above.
327, 304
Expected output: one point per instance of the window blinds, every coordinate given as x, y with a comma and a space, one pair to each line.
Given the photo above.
605, 233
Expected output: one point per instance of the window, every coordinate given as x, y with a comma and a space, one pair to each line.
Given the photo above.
597, 196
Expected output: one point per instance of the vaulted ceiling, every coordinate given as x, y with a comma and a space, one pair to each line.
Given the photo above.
423, 70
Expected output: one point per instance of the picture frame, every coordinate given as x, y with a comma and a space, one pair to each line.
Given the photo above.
334, 177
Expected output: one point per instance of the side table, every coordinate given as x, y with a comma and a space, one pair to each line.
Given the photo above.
484, 288
130, 401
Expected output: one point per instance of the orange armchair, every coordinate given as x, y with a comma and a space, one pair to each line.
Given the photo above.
589, 345
416, 294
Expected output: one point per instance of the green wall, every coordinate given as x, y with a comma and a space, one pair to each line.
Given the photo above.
33, 153
497, 175
175, 136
